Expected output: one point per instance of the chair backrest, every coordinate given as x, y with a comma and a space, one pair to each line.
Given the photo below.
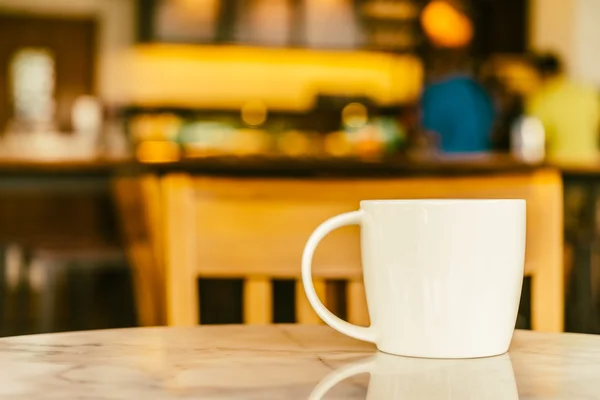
256, 229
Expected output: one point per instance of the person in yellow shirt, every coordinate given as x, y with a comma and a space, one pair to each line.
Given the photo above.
569, 111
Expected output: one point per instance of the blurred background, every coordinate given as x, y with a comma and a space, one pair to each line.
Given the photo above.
95, 90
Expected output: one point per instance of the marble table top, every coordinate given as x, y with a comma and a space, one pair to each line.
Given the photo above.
284, 362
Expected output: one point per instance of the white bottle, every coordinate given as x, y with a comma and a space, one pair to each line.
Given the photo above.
528, 140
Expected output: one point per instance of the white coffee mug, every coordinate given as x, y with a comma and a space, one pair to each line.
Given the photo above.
442, 277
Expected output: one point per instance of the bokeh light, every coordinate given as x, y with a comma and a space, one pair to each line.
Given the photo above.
445, 25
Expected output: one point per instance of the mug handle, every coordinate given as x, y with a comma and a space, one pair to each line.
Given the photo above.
354, 331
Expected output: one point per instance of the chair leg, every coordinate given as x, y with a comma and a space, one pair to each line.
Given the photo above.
138, 202
548, 299
547, 305
43, 279
147, 301
180, 243
83, 290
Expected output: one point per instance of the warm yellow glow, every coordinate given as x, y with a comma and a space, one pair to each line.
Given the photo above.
155, 126
445, 25
284, 79
518, 75
294, 144
157, 151
337, 144
254, 113
514, 72
369, 142
400, 10
355, 115
250, 141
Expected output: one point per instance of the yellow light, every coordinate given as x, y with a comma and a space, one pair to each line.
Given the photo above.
337, 144
250, 141
283, 79
158, 151
355, 115
155, 127
254, 113
393, 10
294, 143
445, 25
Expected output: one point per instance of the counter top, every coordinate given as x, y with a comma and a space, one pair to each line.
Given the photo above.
351, 167
284, 167
65, 166
278, 167
580, 169
284, 362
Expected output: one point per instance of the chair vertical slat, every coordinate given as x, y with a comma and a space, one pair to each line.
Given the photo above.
180, 251
357, 303
258, 300
151, 192
545, 251
304, 311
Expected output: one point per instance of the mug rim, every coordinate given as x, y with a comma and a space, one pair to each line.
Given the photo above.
443, 201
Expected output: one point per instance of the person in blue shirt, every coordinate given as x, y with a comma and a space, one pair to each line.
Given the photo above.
455, 108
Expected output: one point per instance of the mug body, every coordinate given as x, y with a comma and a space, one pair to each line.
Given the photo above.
443, 278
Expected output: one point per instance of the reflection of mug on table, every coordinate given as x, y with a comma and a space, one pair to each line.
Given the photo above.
395, 377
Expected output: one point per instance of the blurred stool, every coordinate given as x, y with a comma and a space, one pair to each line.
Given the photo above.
42, 274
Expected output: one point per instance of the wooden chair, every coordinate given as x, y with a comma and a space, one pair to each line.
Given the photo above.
255, 229
138, 204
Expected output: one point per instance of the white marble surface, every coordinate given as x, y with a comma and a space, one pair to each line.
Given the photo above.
284, 362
